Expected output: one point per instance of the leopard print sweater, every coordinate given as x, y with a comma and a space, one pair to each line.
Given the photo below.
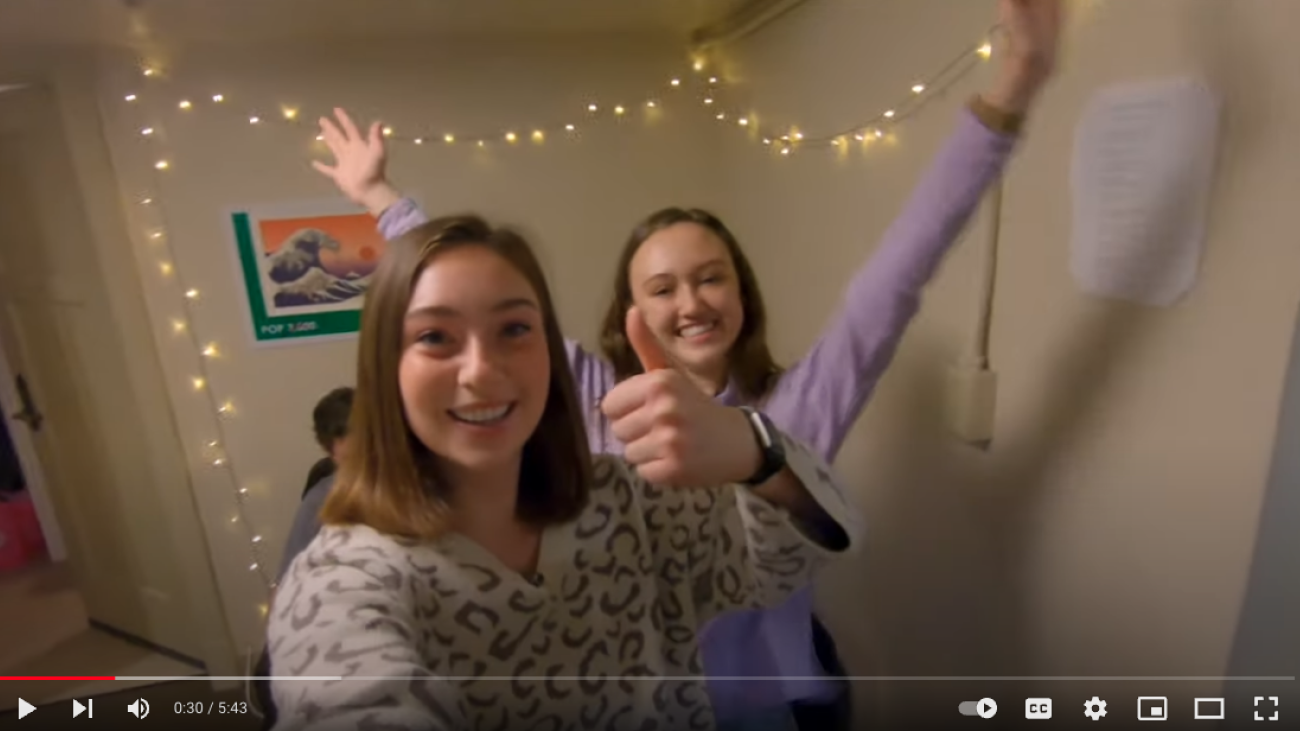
382, 633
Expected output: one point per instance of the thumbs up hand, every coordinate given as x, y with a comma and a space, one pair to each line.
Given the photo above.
673, 433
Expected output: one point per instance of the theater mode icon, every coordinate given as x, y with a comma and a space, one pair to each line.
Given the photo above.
1038, 708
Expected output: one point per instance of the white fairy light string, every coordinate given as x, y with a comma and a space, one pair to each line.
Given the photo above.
708, 89
159, 242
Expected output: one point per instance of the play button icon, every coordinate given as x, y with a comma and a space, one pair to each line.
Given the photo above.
24, 708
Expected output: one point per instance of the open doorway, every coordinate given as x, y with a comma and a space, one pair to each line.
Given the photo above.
91, 585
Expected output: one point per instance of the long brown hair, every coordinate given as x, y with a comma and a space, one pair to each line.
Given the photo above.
388, 479
752, 366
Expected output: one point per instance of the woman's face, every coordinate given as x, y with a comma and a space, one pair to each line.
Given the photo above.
684, 282
474, 372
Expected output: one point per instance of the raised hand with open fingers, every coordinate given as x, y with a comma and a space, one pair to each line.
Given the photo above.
1027, 52
359, 162
673, 433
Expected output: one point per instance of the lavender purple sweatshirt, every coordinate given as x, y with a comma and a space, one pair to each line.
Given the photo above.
817, 400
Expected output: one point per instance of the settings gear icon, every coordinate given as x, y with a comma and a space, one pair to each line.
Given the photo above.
1095, 708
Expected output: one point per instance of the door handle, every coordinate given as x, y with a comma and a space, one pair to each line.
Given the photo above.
29, 415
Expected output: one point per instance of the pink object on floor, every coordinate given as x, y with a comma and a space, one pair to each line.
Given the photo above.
21, 541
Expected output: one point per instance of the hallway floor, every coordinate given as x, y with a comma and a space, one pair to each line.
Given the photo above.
44, 631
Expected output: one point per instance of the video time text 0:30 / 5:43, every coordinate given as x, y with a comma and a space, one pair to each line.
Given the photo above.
210, 708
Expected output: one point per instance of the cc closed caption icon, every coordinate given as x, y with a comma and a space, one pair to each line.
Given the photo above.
1038, 708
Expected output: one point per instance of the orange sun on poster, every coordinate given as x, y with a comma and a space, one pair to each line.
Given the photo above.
366, 253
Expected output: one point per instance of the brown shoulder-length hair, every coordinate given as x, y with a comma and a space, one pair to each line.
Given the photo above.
752, 366
388, 479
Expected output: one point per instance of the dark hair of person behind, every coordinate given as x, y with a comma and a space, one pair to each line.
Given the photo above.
752, 366
330, 417
388, 478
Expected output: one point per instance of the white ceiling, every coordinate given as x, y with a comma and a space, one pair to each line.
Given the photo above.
184, 21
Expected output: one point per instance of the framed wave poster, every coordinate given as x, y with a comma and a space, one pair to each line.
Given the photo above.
305, 268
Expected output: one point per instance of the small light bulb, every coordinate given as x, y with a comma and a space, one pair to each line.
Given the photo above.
569, 127
210, 351
722, 115
198, 384
985, 50
743, 121
178, 326
859, 137
226, 408
511, 137
146, 201
156, 235
889, 114
243, 491
767, 141
676, 82
257, 539
798, 135
836, 142
785, 150
592, 107
192, 293
713, 79
918, 88
218, 462
699, 65
150, 71
165, 268
537, 135
481, 143
878, 134
449, 139
320, 138
651, 104
185, 104
147, 131
162, 164
234, 519
218, 98
619, 110
388, 131
212, 443
252, 566
419, 140
131, 97
290, 113
264, 609
254, 120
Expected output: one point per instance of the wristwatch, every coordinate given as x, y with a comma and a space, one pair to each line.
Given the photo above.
772, 450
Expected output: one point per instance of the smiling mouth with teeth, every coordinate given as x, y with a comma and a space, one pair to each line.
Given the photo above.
480, 415
693, 330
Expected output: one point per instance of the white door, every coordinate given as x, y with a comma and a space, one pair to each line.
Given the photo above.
60, 337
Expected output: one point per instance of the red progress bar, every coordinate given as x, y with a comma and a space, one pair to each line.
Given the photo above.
57, 677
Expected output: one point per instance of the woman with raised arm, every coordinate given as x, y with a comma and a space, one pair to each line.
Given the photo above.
690, 278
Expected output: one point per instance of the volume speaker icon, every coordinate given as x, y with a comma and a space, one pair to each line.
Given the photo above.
139, 709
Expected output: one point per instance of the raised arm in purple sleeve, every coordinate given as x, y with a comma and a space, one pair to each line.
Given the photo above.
820, 398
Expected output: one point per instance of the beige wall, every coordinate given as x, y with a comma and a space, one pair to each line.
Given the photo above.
1109, 529
578, 199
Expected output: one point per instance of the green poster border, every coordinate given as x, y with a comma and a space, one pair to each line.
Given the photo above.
270, 329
